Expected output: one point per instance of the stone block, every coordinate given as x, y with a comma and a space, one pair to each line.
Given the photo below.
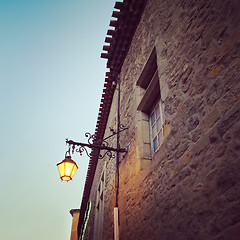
228, 174
233, 194
186, 159
185, 79
230, 118
186, 172
220, 150
228, 46
200, 145
141, 164
143, 132
181, 150
210, 120
197, 187
192, 122
196, 135
213, 136
164, 89
215, 92
216, 71
229, 99
166, 130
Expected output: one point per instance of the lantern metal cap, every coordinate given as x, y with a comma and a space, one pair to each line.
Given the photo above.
68, 159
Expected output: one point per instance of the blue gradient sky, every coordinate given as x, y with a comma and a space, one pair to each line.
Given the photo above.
51, 81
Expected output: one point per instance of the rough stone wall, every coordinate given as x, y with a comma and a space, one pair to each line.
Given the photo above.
191, 189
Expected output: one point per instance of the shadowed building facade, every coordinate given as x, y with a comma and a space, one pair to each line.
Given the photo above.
177, 65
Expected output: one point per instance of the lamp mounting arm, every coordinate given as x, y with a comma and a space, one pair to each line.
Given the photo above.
94, 144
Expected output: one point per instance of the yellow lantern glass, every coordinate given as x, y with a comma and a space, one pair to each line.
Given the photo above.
67, 168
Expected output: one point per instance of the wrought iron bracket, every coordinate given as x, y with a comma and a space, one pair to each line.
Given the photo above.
94, 144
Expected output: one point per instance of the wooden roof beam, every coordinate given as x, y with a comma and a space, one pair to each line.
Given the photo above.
107, 48
119, 5
108, 40
113, 23
111, 32
104, 55
116, 14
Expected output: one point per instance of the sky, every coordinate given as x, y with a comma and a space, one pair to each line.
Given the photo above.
51, 82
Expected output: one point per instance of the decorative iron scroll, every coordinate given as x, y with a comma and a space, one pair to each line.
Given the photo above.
93, 143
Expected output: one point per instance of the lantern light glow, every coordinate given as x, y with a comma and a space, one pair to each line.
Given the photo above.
67, 168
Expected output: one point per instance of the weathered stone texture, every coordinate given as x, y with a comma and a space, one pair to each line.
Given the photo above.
191, 188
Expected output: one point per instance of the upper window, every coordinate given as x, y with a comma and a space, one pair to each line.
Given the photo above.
151, 106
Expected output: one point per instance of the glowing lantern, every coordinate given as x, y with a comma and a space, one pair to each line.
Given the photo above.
67, 168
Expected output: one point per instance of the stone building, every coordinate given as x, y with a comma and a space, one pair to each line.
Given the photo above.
177, 65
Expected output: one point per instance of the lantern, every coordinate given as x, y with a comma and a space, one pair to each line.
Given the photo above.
67, 168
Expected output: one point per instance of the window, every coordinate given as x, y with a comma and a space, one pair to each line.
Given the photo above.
156, 126
150, 117
98, 224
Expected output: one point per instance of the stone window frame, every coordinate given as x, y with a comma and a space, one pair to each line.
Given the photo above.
148, 94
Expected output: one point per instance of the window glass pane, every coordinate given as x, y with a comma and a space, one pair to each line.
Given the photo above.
159, 124
154, 130
152, 118
155, 145
156, 127
157, 111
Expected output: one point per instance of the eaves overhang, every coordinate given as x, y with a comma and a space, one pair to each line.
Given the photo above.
126, 17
